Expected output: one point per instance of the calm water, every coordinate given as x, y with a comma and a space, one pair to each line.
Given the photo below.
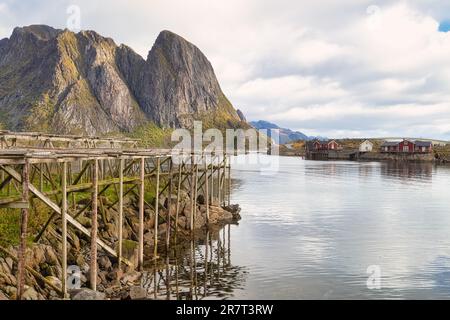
311, 231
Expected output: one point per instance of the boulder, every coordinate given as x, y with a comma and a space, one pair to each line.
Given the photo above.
86, 294
105, 263
131, 278
9, 262
50, 256
54, 281
137, 293
3, 296
30, 294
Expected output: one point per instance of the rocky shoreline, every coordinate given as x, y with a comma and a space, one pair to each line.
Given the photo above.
43, 260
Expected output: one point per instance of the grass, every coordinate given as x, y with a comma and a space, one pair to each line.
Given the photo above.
152, 136
10, 224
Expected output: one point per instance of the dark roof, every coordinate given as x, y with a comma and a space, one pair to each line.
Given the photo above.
390, 144
423, 143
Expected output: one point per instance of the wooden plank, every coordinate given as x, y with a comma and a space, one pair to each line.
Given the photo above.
70, 219
16, 205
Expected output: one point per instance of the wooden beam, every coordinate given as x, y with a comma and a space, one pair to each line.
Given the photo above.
155, 244
23, 231
64, 230
119, 253
141, 214
56, 208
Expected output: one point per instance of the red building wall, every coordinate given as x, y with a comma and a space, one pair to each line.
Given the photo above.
402, 145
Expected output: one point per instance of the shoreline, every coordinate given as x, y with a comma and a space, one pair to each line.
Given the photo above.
114, 281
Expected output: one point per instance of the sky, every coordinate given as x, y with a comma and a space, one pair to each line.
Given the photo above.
348, 68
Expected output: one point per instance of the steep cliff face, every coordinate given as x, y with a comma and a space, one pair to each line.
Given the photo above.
58, 81
179, 82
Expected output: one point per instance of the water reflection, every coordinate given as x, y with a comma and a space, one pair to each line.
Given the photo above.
199, 269
408, 171
312, 230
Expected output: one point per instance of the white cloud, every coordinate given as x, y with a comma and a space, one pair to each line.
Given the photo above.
331, 67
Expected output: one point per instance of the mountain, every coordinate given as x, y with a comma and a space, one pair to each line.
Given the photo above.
63, 82
286, 135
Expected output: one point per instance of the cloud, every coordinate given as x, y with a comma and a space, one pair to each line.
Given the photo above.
337, 68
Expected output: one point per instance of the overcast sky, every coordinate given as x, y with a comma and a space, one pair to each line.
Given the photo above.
337, 68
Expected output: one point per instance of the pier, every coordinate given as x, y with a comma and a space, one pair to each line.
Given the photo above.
64, 172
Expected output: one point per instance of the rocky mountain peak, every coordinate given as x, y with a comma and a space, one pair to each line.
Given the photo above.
64, 82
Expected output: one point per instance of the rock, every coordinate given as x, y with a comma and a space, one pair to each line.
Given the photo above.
131, 278
54, 281
114, 275
9, 262
150, 222
86, 294
50, 256
226, 216
30, 294
85, 221
8, 279
4, 267
105, 263
11, 292
201, 199
137, 293
84, 83
182, 222
3, 296
38, 254
162, 229
149, 237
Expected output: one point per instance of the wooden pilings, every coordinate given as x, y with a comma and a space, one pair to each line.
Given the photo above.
103, 180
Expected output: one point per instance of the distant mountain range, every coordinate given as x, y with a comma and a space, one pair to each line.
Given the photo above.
286, 135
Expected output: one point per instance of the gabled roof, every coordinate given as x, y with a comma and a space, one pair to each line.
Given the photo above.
423, 143
390, 143
367, 141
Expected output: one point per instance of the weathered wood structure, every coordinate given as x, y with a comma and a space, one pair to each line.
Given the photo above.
57, 170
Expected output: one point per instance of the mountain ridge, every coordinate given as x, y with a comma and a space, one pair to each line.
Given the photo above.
58, 81
286, 135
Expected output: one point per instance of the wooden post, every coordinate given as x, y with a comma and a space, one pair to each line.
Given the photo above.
155, 251
93, 267
141, 214
23, 231
180, 176
219, 189
212, 180
206, 189
41, 177
229, 181
169, 205
119, 253
192, 194
195, 193
64, 230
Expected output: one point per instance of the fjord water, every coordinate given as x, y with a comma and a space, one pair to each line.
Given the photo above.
322, 229
312, 229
